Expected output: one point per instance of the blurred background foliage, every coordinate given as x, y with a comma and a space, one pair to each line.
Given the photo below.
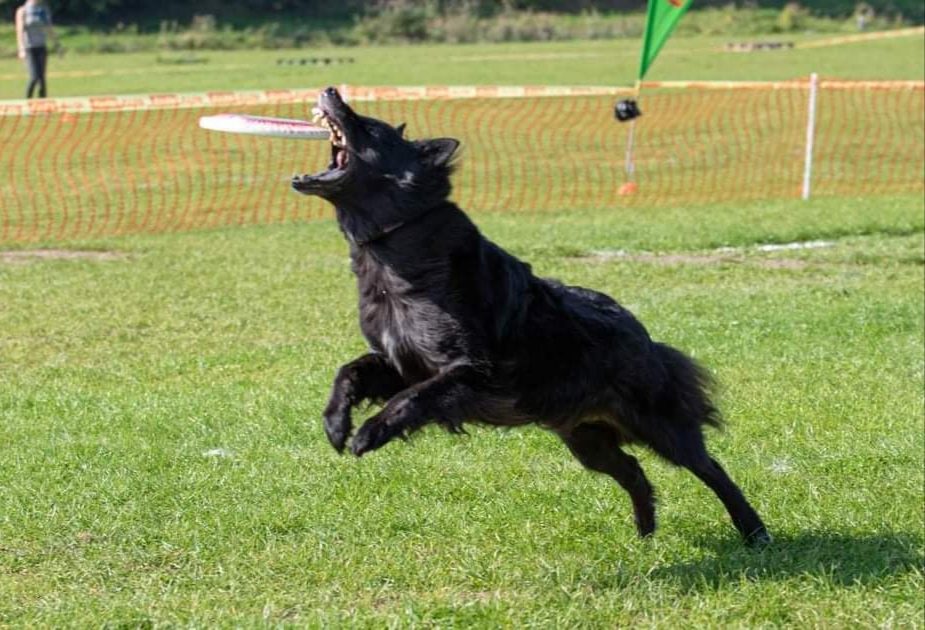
133, 25
145, 12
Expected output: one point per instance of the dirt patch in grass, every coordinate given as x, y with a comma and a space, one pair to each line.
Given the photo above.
722, 255
23, 256
445, 595
712, 258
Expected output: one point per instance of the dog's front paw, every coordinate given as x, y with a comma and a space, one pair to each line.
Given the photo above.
337, 427
373, 434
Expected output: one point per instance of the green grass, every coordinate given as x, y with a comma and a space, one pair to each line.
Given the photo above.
121, 378
162, 460
573, 63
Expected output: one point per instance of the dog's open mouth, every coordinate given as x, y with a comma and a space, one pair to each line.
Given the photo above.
339, 154
334, 115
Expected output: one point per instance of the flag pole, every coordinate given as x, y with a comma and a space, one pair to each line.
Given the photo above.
661, 18
630, 165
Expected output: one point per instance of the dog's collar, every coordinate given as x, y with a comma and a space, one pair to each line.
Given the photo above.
394, 227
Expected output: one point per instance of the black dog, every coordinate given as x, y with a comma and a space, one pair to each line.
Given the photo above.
460, 330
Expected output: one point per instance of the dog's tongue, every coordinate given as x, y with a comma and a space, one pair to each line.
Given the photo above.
341, 159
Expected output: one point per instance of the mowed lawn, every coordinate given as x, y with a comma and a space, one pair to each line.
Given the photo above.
162, 460
608, 62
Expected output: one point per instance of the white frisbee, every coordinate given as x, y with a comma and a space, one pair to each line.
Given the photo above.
264, 126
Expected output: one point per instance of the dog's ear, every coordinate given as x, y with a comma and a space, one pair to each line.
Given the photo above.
439, 151
401, 129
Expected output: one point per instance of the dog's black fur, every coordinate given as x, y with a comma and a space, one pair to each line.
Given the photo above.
461, 331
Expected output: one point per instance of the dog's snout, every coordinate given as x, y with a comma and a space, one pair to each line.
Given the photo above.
331, 98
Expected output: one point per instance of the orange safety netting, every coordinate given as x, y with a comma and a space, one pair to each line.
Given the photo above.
78, 168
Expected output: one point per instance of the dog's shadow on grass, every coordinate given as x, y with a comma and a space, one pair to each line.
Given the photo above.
842, 559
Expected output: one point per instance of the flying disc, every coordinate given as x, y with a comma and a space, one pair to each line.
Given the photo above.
264, 126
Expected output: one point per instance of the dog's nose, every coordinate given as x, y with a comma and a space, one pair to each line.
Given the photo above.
330, 92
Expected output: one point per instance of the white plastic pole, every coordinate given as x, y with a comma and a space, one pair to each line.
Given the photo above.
630, 167
810, 134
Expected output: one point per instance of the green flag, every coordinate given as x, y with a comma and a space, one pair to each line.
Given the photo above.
662, 17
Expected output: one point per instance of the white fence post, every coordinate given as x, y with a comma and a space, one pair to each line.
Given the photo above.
810, 134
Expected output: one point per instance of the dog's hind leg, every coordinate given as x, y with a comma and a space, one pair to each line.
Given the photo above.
744, 517
369, 377
449, 398
684, 446
597, 447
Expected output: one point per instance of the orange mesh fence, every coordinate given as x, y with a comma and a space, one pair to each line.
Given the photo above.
80, 168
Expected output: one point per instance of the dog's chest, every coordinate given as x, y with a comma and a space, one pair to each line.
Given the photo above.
401, 322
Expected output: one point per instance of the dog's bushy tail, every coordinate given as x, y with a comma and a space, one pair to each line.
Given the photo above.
687, 389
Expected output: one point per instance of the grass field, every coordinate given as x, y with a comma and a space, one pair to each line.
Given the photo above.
573, 63
162, 461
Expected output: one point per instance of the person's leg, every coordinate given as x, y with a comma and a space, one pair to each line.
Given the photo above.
32, 66
42, 62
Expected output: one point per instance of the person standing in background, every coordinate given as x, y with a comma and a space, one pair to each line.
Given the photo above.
33, 30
